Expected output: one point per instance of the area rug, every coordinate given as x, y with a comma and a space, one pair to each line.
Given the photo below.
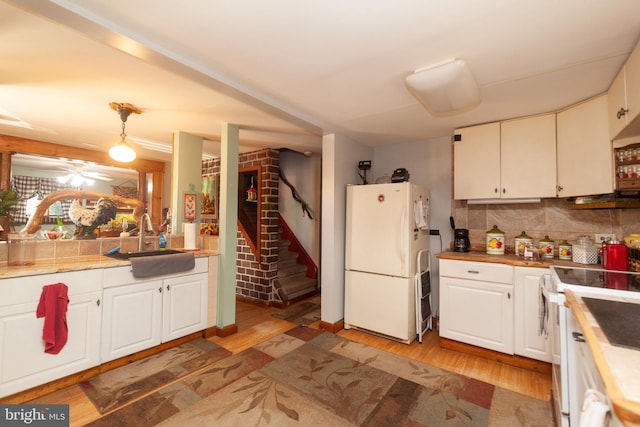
307, 377
117, 387
303, 313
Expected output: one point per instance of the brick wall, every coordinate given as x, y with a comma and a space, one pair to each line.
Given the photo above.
255, 277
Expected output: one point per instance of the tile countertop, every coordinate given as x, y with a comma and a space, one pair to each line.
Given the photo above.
619, 367
58, 265
510, 259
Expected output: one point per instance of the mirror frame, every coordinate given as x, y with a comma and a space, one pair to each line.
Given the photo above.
10, 145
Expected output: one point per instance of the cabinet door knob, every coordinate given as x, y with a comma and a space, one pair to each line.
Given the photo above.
560, 188
98, 302
621, 112
508, 295
577, 337
168, 287
495, 190
504, 191
160, 289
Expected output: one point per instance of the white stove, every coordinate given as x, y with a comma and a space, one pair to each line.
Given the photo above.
585, 281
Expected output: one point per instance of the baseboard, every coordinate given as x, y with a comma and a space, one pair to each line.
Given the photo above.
509, 359
332, 327
226, 331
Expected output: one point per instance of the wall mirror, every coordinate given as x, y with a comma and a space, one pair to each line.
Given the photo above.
34, 177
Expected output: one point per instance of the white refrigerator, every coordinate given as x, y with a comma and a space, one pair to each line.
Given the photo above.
387, 227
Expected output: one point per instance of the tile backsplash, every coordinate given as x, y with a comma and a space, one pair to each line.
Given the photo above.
551, 217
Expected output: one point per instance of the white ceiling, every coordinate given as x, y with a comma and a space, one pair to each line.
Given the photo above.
289, 71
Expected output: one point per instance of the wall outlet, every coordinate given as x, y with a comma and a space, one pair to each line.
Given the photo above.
601, 238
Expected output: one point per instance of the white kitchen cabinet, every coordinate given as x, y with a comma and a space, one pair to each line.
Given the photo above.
528, 157
585, 153
131, 319
507, 160
528, 340
476, 304
624, 99
23, 362
476, 159
141, 313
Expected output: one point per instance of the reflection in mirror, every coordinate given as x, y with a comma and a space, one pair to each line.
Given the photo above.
34, 177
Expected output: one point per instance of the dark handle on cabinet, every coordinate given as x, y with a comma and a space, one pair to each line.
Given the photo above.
508, 295
98, 302
495, 190
168, 287
160, 289
560, 188
473, 272
578, 337
504, 191
621, 112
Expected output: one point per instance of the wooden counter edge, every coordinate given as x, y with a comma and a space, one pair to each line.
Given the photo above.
627, 411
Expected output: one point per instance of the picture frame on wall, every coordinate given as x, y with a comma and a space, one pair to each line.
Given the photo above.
209, 195
190, 207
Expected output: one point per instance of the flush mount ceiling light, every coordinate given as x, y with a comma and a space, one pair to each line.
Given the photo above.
445, 88
122, 151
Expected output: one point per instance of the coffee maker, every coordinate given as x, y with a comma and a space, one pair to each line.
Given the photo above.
461, 240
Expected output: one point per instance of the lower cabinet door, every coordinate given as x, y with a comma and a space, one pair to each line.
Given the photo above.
23, 362
530, 341
477, 312
131, 319
184, 306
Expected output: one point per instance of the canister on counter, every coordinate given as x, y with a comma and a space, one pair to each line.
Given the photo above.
546, 247
22, 249
495, 241
564, 251
522, 240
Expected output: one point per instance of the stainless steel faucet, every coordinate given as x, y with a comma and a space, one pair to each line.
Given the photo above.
142, 231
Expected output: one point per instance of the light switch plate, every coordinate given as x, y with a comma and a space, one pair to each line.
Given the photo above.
601, 238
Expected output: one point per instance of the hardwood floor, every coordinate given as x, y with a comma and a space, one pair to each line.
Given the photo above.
256, 324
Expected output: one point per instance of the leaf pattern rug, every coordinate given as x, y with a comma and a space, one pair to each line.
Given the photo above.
307, 377
302, 314
117, 387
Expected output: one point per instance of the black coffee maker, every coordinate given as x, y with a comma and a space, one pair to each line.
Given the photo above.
461, 240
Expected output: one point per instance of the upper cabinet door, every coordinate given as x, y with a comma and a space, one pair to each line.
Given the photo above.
476, 154
528, 157
617, 105
585, 154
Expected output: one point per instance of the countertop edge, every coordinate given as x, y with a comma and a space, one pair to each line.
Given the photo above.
510, 259
628, 411
86, 262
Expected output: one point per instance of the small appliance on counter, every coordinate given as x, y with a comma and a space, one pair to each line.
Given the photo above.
400, 175
461, 240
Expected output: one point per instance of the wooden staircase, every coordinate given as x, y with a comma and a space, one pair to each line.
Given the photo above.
297, 273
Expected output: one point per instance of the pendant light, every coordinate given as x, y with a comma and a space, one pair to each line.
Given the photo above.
122, 151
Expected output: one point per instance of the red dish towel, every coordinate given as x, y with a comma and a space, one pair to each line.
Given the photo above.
53, 307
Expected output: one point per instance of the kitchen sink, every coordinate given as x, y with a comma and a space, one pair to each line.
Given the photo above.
129, 255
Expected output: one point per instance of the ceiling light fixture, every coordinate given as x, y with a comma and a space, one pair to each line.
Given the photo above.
445, 88
122, 151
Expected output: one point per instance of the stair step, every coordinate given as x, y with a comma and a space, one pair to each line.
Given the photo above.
286, 255
298, 286
294, 270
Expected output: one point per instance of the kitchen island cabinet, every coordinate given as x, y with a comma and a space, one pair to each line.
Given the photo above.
585, 155
139, 314
476, 305
23, 362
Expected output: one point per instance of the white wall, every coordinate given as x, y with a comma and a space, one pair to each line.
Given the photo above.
304, 173
429, 165
340, 157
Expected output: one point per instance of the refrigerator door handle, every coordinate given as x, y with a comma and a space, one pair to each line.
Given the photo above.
404, 233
